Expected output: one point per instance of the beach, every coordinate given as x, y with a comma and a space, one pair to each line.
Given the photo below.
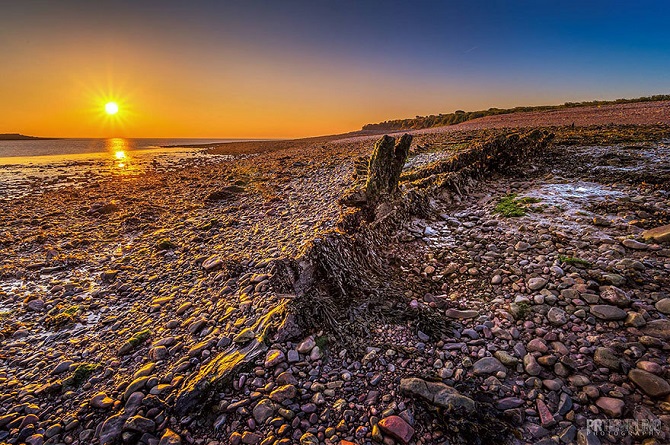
118, 290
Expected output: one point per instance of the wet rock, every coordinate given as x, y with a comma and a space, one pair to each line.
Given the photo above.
652, 385
607, 357
488, 365
101, 401
546, 418
658, 329
263, 411
607, 312
611, 406
170, 438
397, 428
663, 306
635, 245
273, 358
530, 365
139, 424
438, 394
659, 234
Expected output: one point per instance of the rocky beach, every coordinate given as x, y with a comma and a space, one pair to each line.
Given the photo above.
509, 286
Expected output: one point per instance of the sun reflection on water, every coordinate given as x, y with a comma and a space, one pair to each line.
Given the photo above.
118, 148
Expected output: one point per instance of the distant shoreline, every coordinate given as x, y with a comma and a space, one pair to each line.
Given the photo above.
21, 137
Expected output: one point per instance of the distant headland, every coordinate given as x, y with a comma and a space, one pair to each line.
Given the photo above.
19, 137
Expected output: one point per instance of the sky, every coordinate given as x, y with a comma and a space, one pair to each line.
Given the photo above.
288, 68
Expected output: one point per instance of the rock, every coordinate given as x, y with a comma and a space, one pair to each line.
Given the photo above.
607, 312
135, 386
101, 401
546, 418
139, 424
488, 365
509, 403
62, 367
530, 365
285, 392
614, 295
273, 358
635, 319
521, 246
663, 306
538, 345
658, 329
306, 346
36, 305
557, 316
607, 357
659, 234
263, 411
611, 406
536, 283
506, 358
309, 439
652, 385
461, 314
111, 429
212, 263
170, 438
250, 438
438, 394
397, 428
635, 245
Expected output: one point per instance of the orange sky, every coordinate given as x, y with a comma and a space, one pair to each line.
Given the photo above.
274, 69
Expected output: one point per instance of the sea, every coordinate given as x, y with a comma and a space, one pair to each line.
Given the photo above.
34, 166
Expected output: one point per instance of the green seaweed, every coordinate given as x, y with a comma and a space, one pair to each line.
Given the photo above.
574, 261
81, 374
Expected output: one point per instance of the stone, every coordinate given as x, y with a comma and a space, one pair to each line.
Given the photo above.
283, 393
530, 365
101, 401
546, 418
135, 386
611, 406
309, 439
509, 403
250, 438
536, 283
607, 357
615, 296
506, 358
488, 365
652, 385
557, 316
635, 245
397, 428
306, 346
461, 314
607, 312
170, 438
111, 429
139, 424
263, 411
663, 306
658, 329
438, 394
273, 358
659, 234
538, 345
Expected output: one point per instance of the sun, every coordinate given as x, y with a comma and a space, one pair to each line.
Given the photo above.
111, 108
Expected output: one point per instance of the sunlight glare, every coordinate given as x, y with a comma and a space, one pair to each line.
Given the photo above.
111, 108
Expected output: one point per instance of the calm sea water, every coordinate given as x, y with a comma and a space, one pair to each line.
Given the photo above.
35, 166
64, 147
